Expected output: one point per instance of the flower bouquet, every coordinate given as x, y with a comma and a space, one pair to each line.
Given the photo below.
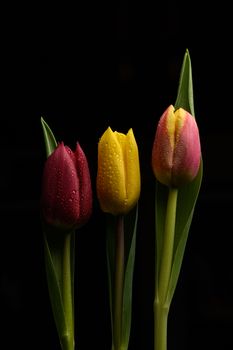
66, 205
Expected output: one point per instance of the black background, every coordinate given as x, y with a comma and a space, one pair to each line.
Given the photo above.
84, 67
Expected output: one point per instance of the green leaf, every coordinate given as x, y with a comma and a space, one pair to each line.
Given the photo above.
54, 252
111, 223
130, 247
53, 262
130, 227
49, 138
185, 89
187, 195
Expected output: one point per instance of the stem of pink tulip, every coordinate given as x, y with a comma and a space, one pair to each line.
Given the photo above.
119, 282
161, 308
67, 293
160, 332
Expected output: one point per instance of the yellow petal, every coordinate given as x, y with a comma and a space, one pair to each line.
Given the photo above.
133, 180
180, 115
111, 173
171, 124
118, 176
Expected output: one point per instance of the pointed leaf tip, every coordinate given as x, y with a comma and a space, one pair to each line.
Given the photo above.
49, 138
185, 89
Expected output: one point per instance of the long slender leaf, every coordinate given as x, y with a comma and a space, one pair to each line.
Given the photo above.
53, 255
111, 222
185, 210
130, 245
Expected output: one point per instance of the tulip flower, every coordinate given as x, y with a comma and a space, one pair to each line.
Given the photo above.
66, 204
176, 150
176, 161
66, 188
118, 190
118, 177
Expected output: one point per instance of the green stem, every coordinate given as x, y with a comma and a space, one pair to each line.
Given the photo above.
119, 281
68, 293
160, 333
168, 242
161, 308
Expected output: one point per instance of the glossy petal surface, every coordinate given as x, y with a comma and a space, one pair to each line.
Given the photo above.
66, 188
176, 150
118, 177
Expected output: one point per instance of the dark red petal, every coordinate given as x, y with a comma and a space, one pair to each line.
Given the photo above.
60, 189
85, 188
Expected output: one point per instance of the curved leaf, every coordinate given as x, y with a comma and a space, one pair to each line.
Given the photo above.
184, 214
53, 254
49, 138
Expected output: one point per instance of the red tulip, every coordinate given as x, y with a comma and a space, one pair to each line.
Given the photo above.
176, 150
66, 188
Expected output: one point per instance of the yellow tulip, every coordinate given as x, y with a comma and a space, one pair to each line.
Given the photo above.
118, 175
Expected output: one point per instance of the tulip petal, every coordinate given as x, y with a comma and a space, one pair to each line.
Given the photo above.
187, 153
111, 173
85, 189
60, 184
176, 150
162, 151
118, 177
133, 181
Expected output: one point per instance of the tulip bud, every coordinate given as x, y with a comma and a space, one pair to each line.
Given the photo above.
66, 199
118, 175
176, 150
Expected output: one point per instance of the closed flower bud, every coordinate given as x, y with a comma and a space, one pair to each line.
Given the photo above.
66, 200
118, 175
176, 150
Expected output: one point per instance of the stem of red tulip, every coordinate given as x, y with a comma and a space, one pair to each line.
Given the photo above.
161, 308
119, 282
67, 293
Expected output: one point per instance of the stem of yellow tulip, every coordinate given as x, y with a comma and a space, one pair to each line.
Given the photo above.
161, 308
119, 282
68, 339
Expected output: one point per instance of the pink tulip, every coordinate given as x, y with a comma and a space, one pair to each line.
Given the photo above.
176, 150
66, 188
